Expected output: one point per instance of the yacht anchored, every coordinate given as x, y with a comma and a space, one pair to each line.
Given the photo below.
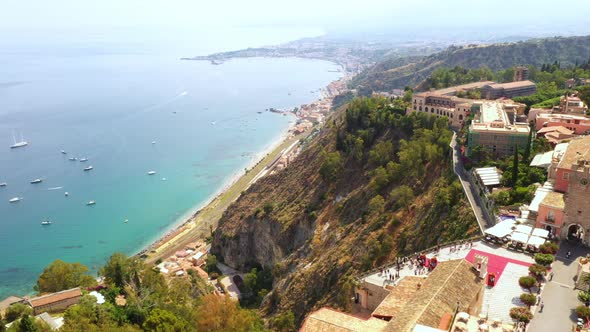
91, 203
73, 158
83, 160
89, 168
67, 194
36, 181
151, 172
15, 199
63, 152
20, 144
46, 222
3, 184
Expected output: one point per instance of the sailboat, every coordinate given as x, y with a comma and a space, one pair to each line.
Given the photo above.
20, 144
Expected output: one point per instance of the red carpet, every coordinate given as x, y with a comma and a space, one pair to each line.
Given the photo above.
496, 264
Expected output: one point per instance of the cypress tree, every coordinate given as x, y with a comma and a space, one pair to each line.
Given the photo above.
527, 150
515, 166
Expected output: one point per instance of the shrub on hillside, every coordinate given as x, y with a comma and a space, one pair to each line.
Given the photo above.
584, 296
549, 248
527, 282
528, 299
544, 259
521, 314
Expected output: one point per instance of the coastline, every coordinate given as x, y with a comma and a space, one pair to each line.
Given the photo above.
200, 222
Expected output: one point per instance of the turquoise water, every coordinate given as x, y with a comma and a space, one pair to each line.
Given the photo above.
109, 108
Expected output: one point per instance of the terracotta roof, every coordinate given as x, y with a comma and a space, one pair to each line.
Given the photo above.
55, 297
554, 199
398, 297
576, 150
449, 283
560, 129
329, 320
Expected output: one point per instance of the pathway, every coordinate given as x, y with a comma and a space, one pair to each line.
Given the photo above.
483, 219
558, 295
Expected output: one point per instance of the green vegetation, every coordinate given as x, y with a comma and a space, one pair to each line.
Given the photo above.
538, 271
583, 312
257, 283
528, 299
549, 248
521, 314
527, 282
61, 275
17, 311
544, 259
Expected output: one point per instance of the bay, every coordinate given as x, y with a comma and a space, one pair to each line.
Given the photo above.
109, 107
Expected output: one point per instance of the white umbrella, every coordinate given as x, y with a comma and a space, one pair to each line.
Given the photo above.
541, 232
524, 229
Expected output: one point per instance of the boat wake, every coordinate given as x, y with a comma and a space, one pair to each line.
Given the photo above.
55, 188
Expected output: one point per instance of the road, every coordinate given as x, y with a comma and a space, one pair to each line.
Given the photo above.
483, 219
558, 295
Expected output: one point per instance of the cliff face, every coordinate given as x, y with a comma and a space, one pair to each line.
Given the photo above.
346, 205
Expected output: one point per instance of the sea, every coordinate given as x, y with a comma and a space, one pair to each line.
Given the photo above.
130, 107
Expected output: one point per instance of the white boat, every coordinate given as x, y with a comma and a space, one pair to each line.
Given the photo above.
89, 168
67, 194
163, 179
46, 222
15, 199
126, 220
36, 181
20, 144
73, 158
3, 184
153, 142
82, 160
91, 203
151, 172
63, 152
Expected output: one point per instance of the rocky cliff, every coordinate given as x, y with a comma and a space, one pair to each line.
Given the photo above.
371, 185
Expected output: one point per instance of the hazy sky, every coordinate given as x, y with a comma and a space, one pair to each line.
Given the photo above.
502, 16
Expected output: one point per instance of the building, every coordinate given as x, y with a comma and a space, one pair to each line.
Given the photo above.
416, 302
56, 301
579, 124
435, 103
508, 90
521, 73
565, 208
497, 128
572, 105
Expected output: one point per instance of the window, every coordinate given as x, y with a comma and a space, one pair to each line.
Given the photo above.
426, 109
460, 116
420, 108
414, 107
551, 215
566, 175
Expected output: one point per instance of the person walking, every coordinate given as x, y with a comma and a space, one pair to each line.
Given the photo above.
551, 276
541, 306
569, 253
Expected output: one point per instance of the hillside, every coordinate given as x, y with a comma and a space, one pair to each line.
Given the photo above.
373, 184
396, 73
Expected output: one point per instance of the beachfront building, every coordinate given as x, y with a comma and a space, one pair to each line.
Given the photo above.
55, 302
498, 127
563, 206
416, 303
508, 90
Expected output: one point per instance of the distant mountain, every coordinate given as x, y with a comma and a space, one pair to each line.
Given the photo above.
397, 73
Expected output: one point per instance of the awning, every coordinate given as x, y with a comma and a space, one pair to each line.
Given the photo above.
541, 232
535, 241
498, 231
525, 229
519, 237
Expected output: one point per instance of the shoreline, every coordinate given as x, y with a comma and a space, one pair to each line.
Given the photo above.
195, 224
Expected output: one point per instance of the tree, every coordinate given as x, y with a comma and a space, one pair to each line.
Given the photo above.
26, 324
583, 312
376, 205
402, 195
537, 270
521, 314
284, 322
331, 166
211, 263
61, 275
527, 150
528, 299
16, 311
527, 282
221, 313
117, 270
544, 259
514, 178
549, 248
160, 320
